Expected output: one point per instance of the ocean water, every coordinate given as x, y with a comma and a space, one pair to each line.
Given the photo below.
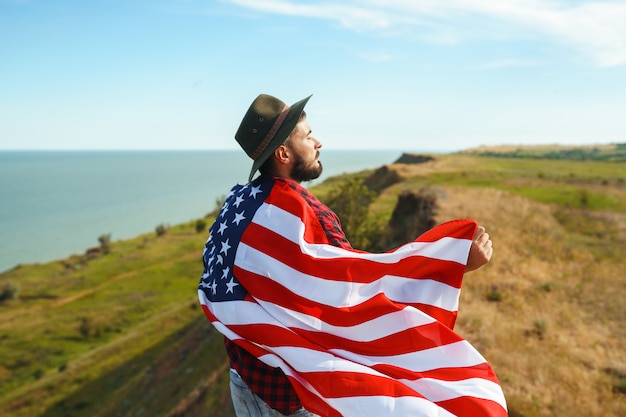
57, 203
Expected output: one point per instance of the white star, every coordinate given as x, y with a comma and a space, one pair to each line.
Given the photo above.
225, 247
230, 193
254, 191
238, 217
224, 210
225, 272
238, 201
231, 284
222, 228
213, 287
220, 260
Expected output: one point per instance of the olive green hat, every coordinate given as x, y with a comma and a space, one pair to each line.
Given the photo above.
266, 125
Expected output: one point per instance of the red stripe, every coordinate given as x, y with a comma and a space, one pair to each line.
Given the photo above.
482, 371
413, 339
459, 229
410, 340
314, 404
268, 290
273, 336
445, 317
341, 384
348, 269
470, 406
299, 208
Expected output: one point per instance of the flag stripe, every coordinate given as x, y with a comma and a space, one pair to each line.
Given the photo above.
321, 260
292, 228
344, 293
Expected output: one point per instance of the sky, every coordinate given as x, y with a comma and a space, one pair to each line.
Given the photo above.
412, 75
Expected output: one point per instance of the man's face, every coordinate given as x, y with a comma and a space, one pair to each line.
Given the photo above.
305, 150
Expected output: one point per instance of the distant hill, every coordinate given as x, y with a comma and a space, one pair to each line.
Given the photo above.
611, 152
120, 332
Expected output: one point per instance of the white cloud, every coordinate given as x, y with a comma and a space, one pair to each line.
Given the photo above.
596, 29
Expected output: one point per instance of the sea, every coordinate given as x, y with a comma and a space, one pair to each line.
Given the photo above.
54, 204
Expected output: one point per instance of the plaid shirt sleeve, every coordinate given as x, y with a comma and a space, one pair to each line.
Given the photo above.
271, 384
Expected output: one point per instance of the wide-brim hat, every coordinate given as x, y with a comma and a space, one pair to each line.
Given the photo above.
265, 126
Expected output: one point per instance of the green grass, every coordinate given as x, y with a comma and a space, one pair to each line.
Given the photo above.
580, 184
142, 284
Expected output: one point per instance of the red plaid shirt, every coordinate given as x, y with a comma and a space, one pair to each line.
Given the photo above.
271, 384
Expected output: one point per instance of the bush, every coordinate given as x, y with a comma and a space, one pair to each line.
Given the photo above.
105, 243
351, 203
161, 229
201, 226
86, 327
494, 294
9, 291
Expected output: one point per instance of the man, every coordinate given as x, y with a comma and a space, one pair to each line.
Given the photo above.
314, 327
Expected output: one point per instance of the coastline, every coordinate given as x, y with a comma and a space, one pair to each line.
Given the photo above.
65, 200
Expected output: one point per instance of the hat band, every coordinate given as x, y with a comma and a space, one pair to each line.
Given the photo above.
272, 132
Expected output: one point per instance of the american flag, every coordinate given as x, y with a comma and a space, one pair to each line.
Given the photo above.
356, 333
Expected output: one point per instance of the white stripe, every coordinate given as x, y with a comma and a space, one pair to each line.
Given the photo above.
291, 227
244, 312
458, 354
439, 390
388, 406
373, 329
347, 294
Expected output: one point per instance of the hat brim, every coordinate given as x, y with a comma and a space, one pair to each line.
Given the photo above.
293, 116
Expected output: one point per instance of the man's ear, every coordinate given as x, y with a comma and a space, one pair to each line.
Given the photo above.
282, 155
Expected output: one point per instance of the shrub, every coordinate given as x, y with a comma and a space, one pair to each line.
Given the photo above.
161, 229
85, 328
9, 291
494, 294
351, 201
105, 243
200, 226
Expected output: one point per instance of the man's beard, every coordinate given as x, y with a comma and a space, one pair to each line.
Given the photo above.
303, 172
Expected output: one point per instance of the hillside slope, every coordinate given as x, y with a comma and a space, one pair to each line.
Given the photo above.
121, 334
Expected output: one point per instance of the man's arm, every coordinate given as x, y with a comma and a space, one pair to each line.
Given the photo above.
480, 251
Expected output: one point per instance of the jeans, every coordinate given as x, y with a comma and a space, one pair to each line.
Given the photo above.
247, 404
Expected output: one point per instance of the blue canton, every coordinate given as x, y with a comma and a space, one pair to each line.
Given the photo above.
218, 257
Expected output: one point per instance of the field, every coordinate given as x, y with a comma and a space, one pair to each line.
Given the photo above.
122, 334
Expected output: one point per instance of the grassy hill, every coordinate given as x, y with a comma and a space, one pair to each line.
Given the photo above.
121, 334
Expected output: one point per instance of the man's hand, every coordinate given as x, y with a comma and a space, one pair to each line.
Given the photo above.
480, 251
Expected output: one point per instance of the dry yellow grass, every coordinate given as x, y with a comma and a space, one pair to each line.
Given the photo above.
558, 328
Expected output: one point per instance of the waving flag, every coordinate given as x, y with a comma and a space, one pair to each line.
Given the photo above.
356, 333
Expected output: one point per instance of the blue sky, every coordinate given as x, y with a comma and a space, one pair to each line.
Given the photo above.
396, 74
